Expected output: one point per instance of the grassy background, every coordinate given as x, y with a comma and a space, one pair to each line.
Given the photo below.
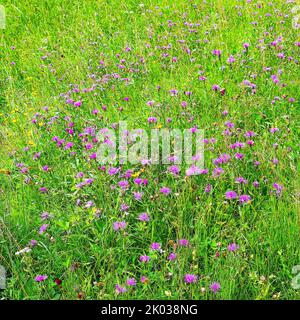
86, 253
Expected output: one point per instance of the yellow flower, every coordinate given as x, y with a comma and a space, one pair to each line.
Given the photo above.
168, 293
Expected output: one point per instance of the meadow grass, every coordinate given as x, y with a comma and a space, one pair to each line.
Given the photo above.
123, 55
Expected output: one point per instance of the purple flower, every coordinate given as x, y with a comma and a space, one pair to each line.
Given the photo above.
190, 278
208, 188
215, 287
144, 217
155, 246
119, 225
216, 53
278, 188
172, 256
165, 190
131, 282
233, 247
43, 228
183, 242
244, 198
120, 289
230, 195
40, 278
144, 258
33, 243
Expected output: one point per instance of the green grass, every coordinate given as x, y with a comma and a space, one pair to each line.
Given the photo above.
83, 250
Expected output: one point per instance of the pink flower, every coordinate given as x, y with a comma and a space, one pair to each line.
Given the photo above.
165, 190
183, 242
144, 217
155, 246
244, 198
40, 278
230, 195
119, 225
144, 258
120, 289
190, 278
172, 256
43, 228
215, 287
131, 282
233, 247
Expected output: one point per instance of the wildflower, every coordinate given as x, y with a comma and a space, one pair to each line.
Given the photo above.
144, 258
233, 247
278, 188
239, 156
124, 184
217, 53
144, 279
244, 198
165, 190
33, 243
120, 289
155, 246
77, 104
138, 195
193, 170
144, 217
230, 59
216, 87
190, 278
208, 188
255, 184
40, 278
230, 195
215, 287
43, 190
119, 225
174, 170
131, 282
172, 256
43, 228
183, 242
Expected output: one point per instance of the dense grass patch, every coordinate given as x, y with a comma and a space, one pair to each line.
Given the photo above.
71, 68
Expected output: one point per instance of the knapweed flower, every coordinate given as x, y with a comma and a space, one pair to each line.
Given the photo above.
165, 190
233, 247
131, 282
183, 242
215, 287
244, 198
172, 256
144, 279
230, 195
144, 217
144, 258
216, 53
40, 278
155, 246
120, 289
33, 243
119, 225
208, 188
278, 188
43, 228
190, 278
